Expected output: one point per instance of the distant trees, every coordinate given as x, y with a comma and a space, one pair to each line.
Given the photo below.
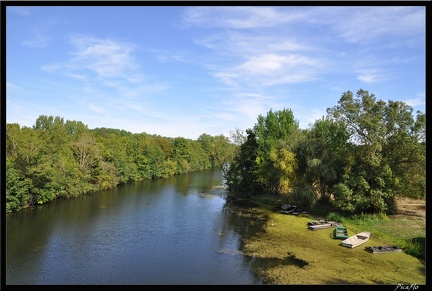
57, 158
219, 149
360, 156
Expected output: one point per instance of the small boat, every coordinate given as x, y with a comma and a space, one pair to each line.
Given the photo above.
298, 211
315, 225
356, 240
340, 232
289, 210
286, 206
383, 249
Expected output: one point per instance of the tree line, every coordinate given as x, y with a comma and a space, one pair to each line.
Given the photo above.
360, 156
62, 159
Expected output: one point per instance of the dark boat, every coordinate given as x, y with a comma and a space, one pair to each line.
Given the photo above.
289, 210
286, 206
383, 249
298, 211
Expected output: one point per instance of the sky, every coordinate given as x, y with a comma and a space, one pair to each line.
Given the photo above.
182, 71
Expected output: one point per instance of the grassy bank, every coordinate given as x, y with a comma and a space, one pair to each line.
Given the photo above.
406, 230
408, 234
315, 257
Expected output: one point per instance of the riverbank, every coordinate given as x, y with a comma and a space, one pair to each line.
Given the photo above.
314, 257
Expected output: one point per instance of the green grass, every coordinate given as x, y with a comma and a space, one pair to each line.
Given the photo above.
416, 247
408, 234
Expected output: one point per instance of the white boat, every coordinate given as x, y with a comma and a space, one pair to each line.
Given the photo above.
314, 225
356, 240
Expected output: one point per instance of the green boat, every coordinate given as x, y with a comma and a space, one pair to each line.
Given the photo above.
340, 232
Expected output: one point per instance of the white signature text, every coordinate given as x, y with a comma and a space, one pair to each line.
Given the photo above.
406, 287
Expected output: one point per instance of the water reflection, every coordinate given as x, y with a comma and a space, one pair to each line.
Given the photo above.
171, 231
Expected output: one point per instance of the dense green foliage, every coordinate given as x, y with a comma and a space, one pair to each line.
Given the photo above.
58, 159
361, 156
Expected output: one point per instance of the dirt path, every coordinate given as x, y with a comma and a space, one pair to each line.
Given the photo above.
411, 208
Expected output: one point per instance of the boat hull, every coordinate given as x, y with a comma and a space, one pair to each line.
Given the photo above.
383, 249
356, 240
340, 232
288, 210
315, 225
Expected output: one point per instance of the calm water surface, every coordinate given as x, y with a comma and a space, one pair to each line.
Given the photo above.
169, 231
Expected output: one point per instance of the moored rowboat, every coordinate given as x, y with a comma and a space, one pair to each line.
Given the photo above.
356, 240
315, 225
383, 249
340, 232
289, 210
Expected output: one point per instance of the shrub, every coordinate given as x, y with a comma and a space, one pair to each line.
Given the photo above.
416, 247
305, 196
334, 216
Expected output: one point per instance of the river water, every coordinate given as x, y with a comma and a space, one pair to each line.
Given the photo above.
174, 231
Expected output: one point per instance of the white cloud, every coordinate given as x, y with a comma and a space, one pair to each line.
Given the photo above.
236, 43
238, 17
419, 100
105, 57
270, 70
107, 63
365, 24
372, 75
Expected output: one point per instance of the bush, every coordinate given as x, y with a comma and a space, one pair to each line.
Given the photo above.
416, 247
305, 196
391, 205
334, 216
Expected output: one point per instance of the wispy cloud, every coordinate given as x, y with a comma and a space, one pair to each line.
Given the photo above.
237, 17
40, 31
221, 68
271, 69
237, 43
105, 62
365, 24
100, 58
419, 100
21, 10
105, 57
372, 75
11, 86
112, 80
39, 40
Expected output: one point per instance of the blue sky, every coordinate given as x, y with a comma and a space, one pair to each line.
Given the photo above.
188, 70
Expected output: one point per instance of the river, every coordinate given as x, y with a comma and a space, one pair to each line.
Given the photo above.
174, 231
